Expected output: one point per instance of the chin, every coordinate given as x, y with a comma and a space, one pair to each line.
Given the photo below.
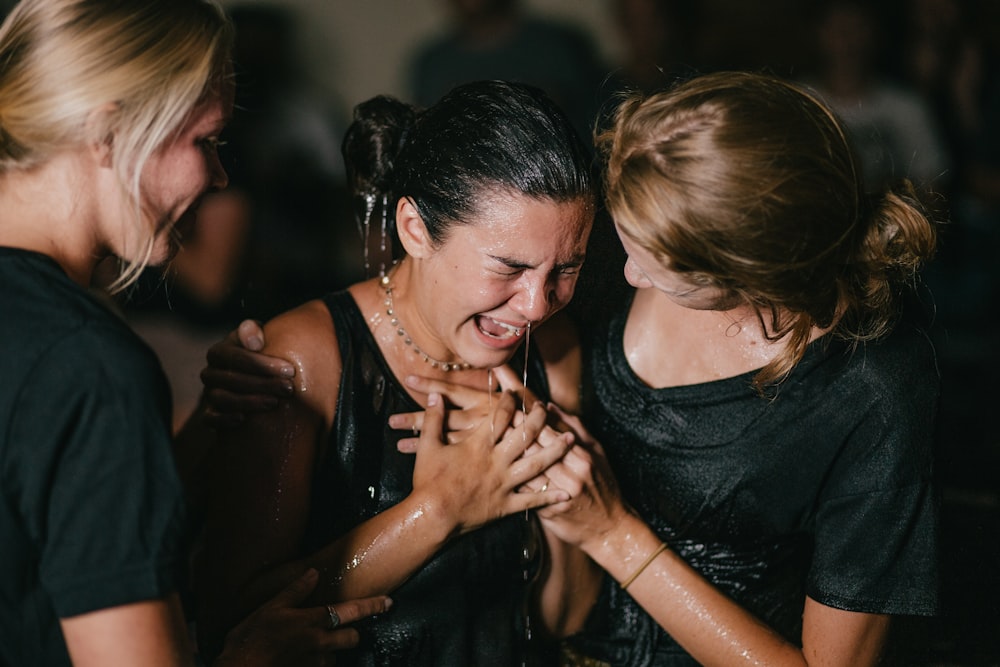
487, 358
164, 251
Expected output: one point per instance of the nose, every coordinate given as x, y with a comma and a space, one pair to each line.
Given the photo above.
536, 299
219, 179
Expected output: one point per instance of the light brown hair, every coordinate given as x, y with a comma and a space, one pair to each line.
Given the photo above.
746, 182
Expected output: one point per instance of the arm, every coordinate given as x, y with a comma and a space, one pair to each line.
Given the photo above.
267, 471
143, 633
709, 625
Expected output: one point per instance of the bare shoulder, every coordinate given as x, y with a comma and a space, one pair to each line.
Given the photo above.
306, 337
558, 343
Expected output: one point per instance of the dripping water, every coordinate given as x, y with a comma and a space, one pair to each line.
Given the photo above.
524, 382
366, 226
531, 541
489, 396
383, 242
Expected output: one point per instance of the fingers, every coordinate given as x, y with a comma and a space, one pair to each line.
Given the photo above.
296, 592
509, 380
538, 463
454, 420
518, 438
502, 416
573, 422
337, 636
231, 354
238, 386
354, 610
456, 395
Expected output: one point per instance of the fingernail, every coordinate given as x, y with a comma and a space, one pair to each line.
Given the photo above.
255, 342
287, 371
411, 380
388, 604
433, 399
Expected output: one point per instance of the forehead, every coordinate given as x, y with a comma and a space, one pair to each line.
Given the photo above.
515, 220
213, 111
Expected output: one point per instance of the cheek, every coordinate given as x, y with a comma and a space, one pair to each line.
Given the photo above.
565, 289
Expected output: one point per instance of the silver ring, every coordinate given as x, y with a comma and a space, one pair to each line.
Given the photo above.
415, 431
544, 487
334, 618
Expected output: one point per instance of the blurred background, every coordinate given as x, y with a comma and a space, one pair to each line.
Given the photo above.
917, 83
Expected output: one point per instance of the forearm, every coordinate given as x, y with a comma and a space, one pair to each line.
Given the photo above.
374, 558
710, 626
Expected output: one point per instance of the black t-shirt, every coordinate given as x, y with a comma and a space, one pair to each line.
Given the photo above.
91, 511
822, 490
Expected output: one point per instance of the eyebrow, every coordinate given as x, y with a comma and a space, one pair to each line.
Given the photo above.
516, 264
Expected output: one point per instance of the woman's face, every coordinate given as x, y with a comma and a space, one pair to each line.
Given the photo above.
515, 265
644, 270
185, 168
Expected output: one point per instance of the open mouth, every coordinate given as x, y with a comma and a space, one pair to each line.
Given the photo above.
498, 330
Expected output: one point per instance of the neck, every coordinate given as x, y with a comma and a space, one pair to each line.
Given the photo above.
49, 210
669, 345
410, 332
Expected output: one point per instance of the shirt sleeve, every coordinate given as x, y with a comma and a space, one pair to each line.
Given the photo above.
99, 491
876, 523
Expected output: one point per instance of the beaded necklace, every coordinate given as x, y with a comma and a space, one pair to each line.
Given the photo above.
401, 332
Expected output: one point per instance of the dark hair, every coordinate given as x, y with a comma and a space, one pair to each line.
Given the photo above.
480, 137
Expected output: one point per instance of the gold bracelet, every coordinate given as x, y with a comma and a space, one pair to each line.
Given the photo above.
659, 550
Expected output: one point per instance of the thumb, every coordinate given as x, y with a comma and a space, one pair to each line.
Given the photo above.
507, 378
296, 592
251, 335
510, 381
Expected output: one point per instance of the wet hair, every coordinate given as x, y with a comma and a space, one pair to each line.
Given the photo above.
480, 138
78, 72
745, 182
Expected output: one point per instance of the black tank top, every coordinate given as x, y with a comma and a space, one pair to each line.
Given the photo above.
464, 607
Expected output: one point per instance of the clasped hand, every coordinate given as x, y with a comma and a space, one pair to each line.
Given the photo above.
472, 477
593, 504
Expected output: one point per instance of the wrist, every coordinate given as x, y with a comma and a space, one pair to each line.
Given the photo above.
625, 550
429, 516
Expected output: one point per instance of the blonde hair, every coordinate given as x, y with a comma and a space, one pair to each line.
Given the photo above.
746, 182
75, 72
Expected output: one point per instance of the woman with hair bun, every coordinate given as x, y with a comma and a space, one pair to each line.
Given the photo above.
764, 402
489, 194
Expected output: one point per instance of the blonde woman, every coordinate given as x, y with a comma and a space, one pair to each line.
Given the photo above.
110, 113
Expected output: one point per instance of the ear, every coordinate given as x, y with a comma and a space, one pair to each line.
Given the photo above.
411, 230
100, 133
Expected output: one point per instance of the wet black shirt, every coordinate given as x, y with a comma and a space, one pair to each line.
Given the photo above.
466, 606
824, 490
